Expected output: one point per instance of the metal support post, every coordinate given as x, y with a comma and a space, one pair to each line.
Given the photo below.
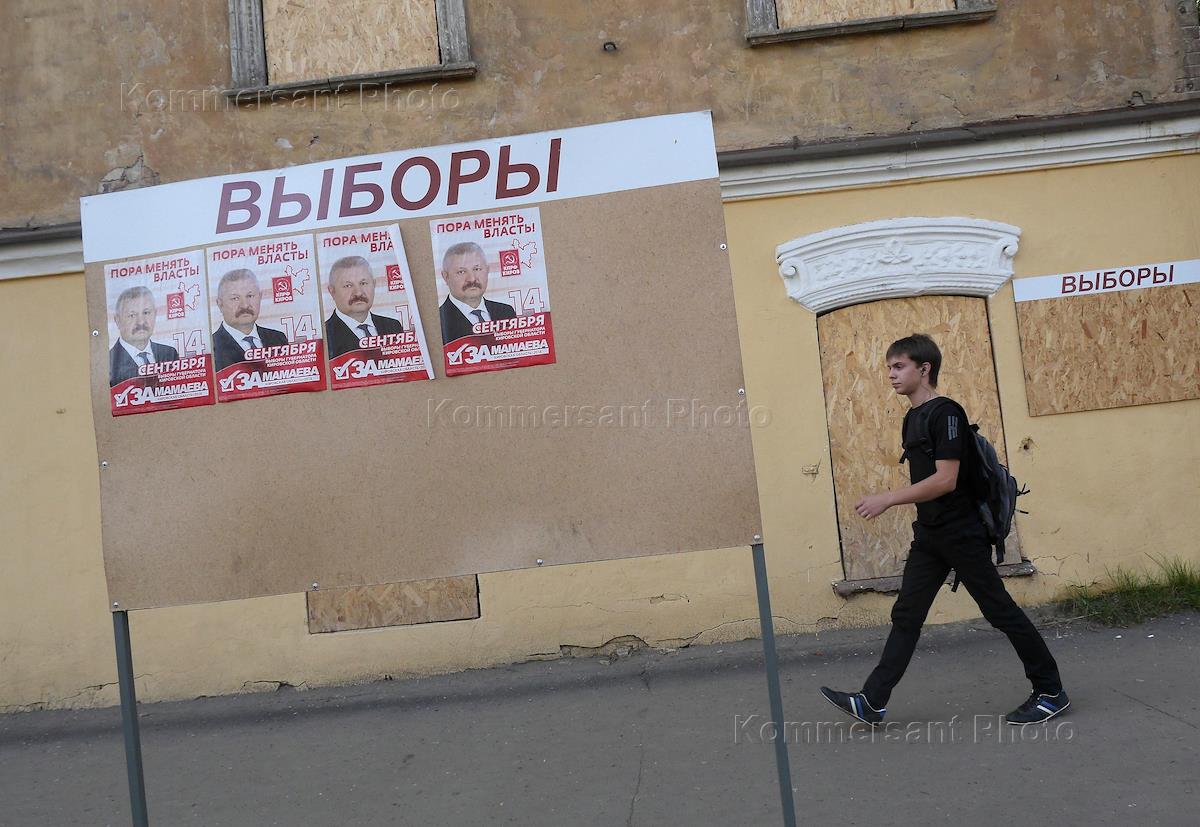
129, 721
773, 691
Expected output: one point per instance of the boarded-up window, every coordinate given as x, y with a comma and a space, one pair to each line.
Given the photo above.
393, 604
314, 39
796, 13
864, 413
1112, 349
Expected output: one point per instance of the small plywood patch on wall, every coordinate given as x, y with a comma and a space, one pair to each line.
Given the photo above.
797, 13
1111, 350
318, 39
393, 604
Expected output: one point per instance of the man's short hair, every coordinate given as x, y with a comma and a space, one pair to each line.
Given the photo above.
920, 348
461, 249
345, 263
236, 275
131, 293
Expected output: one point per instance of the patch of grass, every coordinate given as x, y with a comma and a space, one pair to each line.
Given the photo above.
1132, 597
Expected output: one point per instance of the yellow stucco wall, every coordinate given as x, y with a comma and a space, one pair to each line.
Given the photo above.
1110, 487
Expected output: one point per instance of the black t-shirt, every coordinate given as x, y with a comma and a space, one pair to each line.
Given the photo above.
948, 433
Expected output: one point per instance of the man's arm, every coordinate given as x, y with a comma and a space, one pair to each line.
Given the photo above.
943, 481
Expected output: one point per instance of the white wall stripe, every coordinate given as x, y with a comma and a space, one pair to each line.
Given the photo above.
1106, 280
41, 258
1083, 146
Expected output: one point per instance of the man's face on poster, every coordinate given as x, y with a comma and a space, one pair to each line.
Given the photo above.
467, 277
353, 291
135, 319
239, 301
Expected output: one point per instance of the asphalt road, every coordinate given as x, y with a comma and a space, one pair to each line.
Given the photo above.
655, 738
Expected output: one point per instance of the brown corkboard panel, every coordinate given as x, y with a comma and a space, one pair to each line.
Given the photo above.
316, 39
865, 414
393, 604
794, 13
1111, 350
268, 496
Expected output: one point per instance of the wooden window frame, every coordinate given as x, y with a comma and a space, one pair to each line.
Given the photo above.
248, 57
762, 22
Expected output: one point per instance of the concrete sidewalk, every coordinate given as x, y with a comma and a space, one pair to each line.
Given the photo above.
655, 738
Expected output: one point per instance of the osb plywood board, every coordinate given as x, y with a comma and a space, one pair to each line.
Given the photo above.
631, 444
865, 414
393, 604
316, 39
794, 13
1111, 350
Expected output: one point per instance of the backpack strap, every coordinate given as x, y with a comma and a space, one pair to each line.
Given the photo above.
924, 440
903, 431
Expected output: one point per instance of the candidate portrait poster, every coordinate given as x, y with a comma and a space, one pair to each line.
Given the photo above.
265, 318
158, 356
494, 304
373, 331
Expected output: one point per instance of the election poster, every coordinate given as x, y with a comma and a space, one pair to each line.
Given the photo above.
372, 326
266, 318
568, 205
158, 356
492, 292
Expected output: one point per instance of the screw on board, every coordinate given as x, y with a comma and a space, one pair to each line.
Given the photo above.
103, 463
116, 605
758, 538
724, 246
610, 46
95, 333
741, 391
316, 585
540, 561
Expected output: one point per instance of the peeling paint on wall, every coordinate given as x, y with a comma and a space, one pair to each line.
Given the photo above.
85, 79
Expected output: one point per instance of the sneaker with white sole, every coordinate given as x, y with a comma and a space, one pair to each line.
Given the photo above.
1040, 706
855, 705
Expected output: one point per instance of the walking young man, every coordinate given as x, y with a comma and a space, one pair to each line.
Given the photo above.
948, 534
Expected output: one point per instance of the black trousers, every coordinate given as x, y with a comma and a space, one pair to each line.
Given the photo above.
964, 548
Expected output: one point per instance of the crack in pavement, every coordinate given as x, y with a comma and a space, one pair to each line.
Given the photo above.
1155, 708
637, 787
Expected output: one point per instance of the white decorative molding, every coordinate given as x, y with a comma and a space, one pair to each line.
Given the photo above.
41, 258
897, 257
1083, 146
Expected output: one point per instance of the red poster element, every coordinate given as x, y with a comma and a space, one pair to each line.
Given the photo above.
163, 386
510, 262
379, 360
291, 368
282, 287
395, 280
502, 344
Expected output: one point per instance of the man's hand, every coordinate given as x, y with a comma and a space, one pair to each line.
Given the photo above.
873, 505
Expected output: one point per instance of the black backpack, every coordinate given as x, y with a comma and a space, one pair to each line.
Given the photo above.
991, 486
